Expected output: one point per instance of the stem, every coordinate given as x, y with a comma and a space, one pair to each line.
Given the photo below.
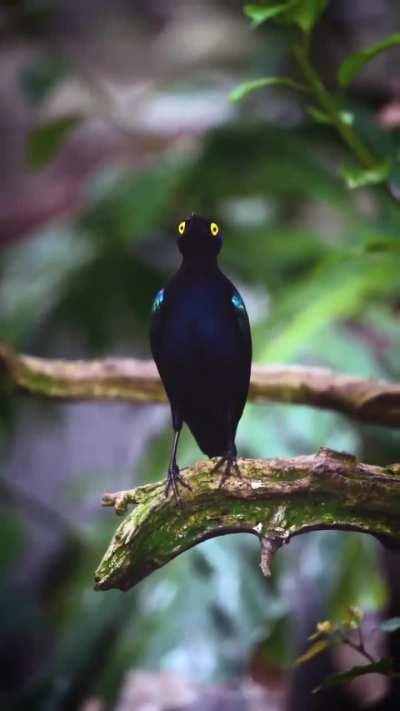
327, 103
359, 648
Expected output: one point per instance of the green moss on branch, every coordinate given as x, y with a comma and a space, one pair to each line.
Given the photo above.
274, 499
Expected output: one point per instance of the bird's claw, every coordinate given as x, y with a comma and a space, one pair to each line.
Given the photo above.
230, 462
174, 477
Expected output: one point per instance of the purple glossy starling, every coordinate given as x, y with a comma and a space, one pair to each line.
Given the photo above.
201, 343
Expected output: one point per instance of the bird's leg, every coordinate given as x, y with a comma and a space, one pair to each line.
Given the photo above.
230, 461
174, 476
230, 456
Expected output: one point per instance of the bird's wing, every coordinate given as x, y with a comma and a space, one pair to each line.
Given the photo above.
239, 310
157, 317
244, 354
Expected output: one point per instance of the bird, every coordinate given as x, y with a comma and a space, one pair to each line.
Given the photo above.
201, 343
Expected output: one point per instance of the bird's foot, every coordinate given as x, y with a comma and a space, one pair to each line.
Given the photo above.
174, 477
230, 462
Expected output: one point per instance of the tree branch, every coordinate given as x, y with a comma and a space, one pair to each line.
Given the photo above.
274, 499
128, 379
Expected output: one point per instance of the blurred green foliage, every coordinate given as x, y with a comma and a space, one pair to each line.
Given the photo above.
41, 76
44, 141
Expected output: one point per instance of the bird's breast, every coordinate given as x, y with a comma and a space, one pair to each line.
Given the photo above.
198, 324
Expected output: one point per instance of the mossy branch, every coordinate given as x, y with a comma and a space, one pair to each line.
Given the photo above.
137, 380
274, 499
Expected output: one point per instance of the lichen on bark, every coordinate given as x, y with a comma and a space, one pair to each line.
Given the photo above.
273, 499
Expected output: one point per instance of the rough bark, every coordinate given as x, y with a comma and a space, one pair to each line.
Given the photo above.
273, 499
137, 380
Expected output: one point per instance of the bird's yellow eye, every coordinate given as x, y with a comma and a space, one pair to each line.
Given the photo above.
214, 229
181, 227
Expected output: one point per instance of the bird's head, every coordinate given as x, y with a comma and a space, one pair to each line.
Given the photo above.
199, 237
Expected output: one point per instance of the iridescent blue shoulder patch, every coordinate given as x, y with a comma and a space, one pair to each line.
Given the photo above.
237, 302
159, 298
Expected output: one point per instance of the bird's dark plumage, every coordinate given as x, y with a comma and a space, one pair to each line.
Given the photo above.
201, 343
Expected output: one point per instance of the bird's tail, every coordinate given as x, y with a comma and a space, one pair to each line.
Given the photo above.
213, 437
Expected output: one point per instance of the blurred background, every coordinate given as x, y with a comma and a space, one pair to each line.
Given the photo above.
115, 123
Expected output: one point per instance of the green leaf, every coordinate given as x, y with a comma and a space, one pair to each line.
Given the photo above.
261, 13
303, 13
383, 666
382, 244
319, 116
44, 141
390, 625
307, 12
355, 62
312, 651
248, 86
358, 177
